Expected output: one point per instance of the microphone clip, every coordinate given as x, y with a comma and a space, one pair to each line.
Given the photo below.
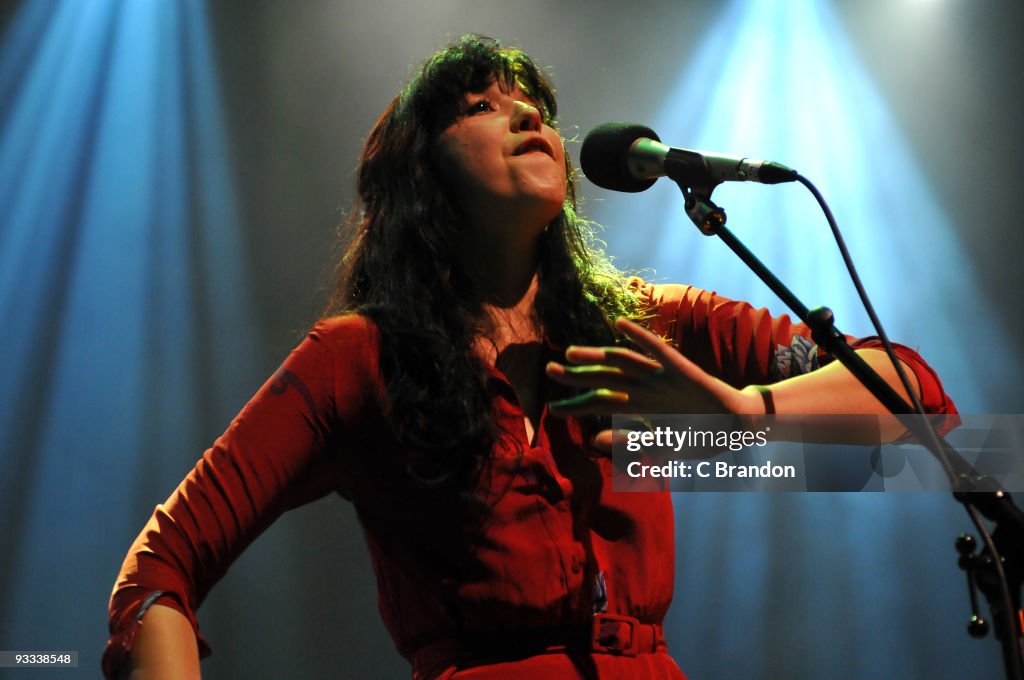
701, 210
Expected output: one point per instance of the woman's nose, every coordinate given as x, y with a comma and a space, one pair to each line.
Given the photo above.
526, 118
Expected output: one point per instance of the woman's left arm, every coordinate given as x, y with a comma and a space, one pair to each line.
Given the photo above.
620, 380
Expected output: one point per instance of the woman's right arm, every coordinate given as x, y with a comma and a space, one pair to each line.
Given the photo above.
289, 446
164, 649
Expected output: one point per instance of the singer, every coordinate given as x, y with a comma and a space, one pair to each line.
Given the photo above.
454, 391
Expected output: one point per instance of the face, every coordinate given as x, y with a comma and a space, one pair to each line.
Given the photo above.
501, 162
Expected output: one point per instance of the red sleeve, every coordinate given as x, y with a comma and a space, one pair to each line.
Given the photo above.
744, 346
283, 450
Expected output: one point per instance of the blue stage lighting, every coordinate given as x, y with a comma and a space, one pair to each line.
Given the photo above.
121, 274
780, 81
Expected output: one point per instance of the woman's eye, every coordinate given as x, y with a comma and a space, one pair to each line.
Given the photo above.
479, 106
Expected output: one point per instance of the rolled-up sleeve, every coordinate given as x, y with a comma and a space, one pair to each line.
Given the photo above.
744, 345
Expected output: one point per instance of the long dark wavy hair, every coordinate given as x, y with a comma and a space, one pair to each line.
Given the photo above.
400, 267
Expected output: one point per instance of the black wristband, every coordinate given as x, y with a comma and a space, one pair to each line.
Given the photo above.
769, 400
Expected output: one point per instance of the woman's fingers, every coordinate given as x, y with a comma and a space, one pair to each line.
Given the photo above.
592, 377
613, 375
616, 357
628, 360
647, 340
595, 402
663, 353
622, 380
605, 440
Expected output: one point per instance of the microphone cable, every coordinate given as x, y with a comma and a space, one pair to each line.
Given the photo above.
1011, 629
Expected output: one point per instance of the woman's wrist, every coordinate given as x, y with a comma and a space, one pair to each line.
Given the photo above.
758, 401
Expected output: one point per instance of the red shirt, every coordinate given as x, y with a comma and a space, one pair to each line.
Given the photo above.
550, 527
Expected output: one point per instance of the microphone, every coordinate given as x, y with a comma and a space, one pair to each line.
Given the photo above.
630, 157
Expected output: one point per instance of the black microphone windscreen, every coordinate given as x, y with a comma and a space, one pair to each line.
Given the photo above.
604, 157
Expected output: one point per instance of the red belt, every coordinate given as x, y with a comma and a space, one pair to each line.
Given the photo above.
608, 634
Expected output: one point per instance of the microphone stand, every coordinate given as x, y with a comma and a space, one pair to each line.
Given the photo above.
998, 570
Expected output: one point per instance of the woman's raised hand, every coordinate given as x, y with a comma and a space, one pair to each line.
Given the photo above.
620, 380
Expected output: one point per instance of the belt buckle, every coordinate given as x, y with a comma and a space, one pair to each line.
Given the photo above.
600, 635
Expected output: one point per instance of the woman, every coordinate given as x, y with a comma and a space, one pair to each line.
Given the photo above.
434, 396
